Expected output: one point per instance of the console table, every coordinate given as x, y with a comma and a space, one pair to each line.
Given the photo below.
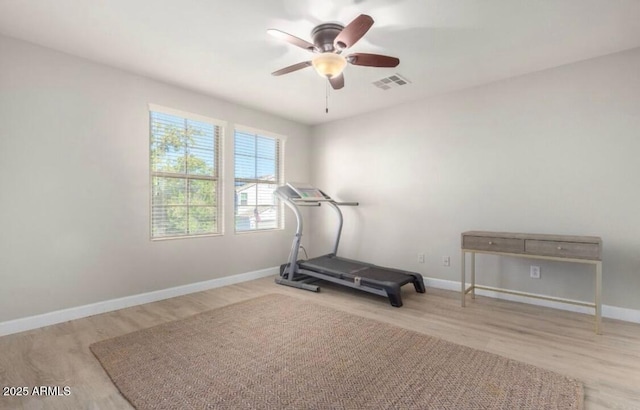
578, 249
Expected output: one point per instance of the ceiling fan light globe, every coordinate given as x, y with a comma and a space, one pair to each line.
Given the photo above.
329, 65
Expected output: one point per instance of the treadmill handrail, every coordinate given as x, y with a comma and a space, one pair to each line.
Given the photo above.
302, 200
309, 204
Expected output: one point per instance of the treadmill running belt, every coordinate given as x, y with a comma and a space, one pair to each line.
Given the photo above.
385, 275
333, 263
360, 275
345, 268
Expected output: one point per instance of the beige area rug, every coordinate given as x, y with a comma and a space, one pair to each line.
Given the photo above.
279, 352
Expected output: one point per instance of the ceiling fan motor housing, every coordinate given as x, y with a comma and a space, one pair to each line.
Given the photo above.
323, 36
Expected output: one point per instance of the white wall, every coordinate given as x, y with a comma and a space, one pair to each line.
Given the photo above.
551, 152
74, 186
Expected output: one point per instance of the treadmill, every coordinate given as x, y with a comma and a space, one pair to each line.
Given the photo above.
332, 268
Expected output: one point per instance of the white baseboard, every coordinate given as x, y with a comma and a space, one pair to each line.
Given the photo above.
611, 312
59, 316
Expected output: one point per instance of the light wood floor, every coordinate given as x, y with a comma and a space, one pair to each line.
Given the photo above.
609, 365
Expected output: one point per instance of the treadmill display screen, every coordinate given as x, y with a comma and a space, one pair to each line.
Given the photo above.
306, 191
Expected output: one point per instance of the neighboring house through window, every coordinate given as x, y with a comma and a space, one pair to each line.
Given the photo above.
258, 171
186, 184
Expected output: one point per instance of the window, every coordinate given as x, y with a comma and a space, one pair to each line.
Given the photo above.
185, 174
257, 175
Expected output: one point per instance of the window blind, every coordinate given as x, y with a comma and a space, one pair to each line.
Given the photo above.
257, 174
185, 175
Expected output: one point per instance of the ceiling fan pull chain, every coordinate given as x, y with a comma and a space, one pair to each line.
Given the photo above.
326, 98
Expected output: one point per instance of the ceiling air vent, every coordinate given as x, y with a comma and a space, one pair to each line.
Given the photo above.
393, 81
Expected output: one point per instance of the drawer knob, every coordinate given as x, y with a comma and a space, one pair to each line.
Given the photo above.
559, 248
490, 243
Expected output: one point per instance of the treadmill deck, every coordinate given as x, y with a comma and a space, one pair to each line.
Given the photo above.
349, 269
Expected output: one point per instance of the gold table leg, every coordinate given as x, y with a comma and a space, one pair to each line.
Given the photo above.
462, 277
473, 275
598, 297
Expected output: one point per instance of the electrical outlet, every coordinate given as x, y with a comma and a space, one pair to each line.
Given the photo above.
421, 258
534, 272
446, 261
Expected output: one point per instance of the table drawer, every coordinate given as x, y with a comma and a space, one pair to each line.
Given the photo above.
492, 244
576, 250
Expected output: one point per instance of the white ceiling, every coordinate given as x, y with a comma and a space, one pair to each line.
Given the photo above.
221, 47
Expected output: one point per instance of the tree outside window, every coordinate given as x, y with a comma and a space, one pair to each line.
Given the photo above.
185, 180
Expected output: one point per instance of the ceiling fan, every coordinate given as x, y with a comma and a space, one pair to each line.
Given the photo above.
329, 41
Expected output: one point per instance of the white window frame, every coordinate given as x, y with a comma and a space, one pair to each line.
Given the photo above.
219, 177
279, 181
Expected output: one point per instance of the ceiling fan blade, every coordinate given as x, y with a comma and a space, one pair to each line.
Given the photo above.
372, 60
296, 41
337, 82
292, 68
353, 32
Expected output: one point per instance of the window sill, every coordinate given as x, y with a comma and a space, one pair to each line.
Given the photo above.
169, 238
259, 231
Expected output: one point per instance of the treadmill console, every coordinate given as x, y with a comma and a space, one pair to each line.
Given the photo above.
306, 191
